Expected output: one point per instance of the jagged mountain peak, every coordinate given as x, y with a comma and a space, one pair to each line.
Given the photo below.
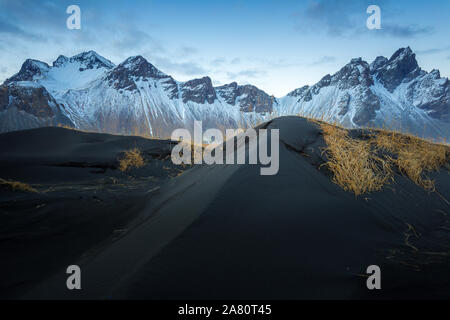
61, 60
354, 73
403, 53
393, 92
30, 68
297, 92
199, 91
132, 69
388, 90
228, 85
401, 67
356, 61
135, 59
379, 62
138, 63
404, 59
204, 81
138, 66
87, 60
248, 97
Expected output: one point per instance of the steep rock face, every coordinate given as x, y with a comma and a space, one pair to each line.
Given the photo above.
29, 70
87, 60
401, 67
378, 63
344, 97
26, 105
248, 97
356, 73
343, 103
253, 99
228, 92
403, 78
131, 70
365, 106
137, 98
431, 93
34, 100
134, 69
199, 91
300, 92
392, 92
65, 73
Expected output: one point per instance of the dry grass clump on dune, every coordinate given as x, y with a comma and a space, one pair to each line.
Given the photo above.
65, 126
354, 165
131, 159
17, 186
366, 165
413, 156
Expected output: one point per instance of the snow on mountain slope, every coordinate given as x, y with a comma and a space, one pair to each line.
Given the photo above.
393, 93
26, 105
66, 73
137, 98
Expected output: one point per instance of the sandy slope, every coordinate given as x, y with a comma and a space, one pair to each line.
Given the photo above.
227, 232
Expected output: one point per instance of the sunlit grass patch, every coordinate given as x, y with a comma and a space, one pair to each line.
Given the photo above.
354, 165
413, 156
17, 186
131, 159
363, 165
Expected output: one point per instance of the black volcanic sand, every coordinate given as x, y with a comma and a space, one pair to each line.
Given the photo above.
83, 198
225, 231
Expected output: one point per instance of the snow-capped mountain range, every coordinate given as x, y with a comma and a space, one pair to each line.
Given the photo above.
89, 92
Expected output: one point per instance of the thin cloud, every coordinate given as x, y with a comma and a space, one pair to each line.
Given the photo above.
335, 17
218, 61
15, 31
399, 31
347, 18
186, 51
433, 50
236, 61
185, 68
323, 60
249, 73
137, 40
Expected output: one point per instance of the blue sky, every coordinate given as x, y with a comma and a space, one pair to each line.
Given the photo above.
276, 45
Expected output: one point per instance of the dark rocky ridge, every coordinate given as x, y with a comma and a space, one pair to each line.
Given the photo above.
29, 107
199, 91
253, 100
355, 92
30, 68
134, 68
359, 76
33, 100
401, 67
89, 60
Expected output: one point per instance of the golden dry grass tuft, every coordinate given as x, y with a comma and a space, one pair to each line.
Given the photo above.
413, 156
366, 165
131, 159
355, 167
17, 186
65, 126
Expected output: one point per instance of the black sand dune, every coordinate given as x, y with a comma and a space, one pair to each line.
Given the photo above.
83, 198
219, 231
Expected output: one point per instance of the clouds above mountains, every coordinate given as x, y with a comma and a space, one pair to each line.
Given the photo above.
261, 41
347, 18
